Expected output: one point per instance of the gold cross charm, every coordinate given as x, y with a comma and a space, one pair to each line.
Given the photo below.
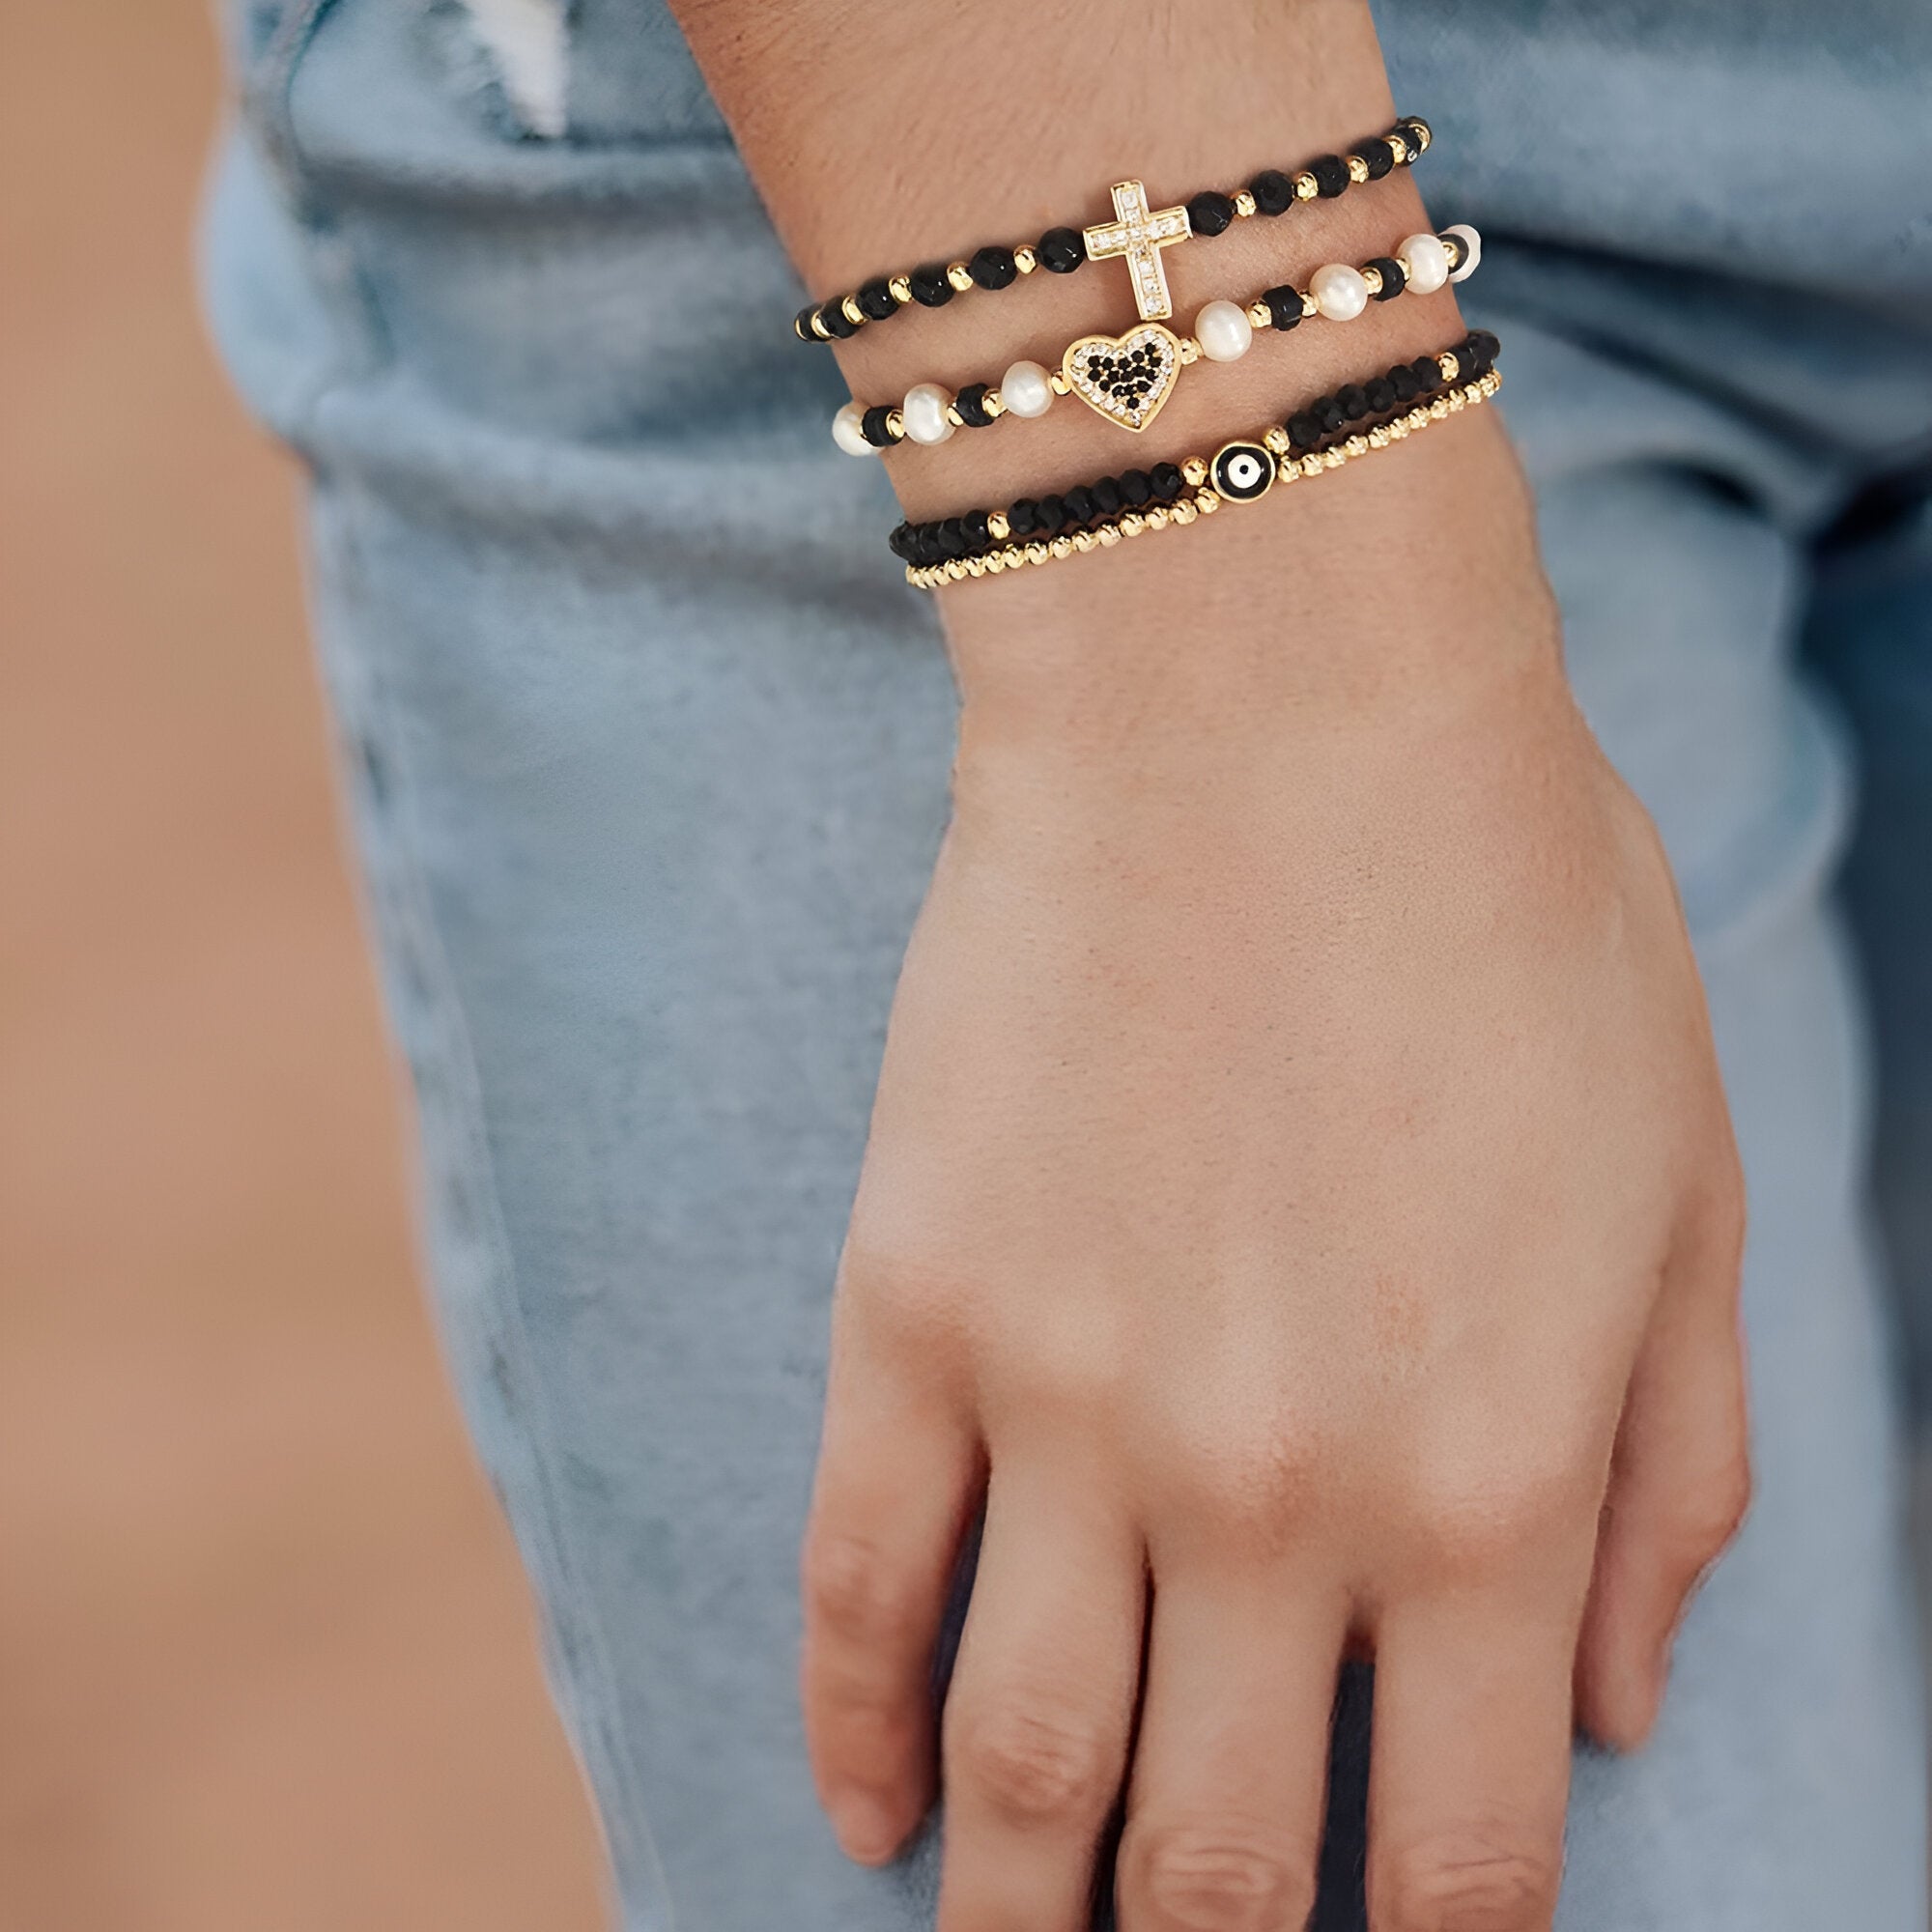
1140, 236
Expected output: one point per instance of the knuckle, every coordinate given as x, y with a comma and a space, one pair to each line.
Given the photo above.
1217, 1878
1032, 1764
1476, 1883
1253, 1481
1482, 1524
852, 1589
1709, 1512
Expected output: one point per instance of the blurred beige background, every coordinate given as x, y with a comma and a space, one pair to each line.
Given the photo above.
266, 1659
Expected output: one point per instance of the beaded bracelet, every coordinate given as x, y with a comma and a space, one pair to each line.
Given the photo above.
1136, 234
1322, 435
1127, 378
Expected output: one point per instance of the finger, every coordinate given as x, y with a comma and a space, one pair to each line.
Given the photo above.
1224, 1808
898, 1480
1470, 1765
1042, 1704
1680, 1479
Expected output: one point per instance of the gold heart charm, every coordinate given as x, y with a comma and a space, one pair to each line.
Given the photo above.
1124, 377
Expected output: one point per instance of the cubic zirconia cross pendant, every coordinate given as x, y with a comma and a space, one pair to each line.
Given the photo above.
1138, 234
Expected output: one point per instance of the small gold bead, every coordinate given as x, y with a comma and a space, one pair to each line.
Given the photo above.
1379, 439
1157, 517
1206, 502
994, 404
1288, 470
975, 566
1332, 459
992, 566
1194, 471
1423, 128
1014, 556
1439, 409
1132, 523
818, 327
1260, 315
1309, 305
1108, 535
1306, 187
896, 424
1244, 203
1418, 417
1183, 512
1025, 260
954, 416
1358, 170
1276, 440
955, 568
1458, 400
1059, 549
1399, 148
902, 289
1373, 277
1191, 351
1398, 429
1058, 383
960, 276
1357, 445
998, 527
1312, 466
1452, 246
1083, 541
1036, 553
850, 308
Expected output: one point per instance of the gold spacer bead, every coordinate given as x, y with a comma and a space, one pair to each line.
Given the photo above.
1398, 429
1132, 523
960, 276
1312, 466
1309, 305
1083, 541
850, 308
994, 404
1400, 148
1014, 556
818, 327
1358, 170
1190, 351
1260, 315
1059, 547
1058, 383
896, 424
1379, 439
1373, 277
1194, 473
1423, 128
998, 527
1108, 535
955, 568
1332, 459
975, 566
1306, 187
1183, 512
1450, 367
1356, 446
992, 566
1288, 470
1157, 517
1458, 400
954, 416
902, 288
1437, 410
1025, 260
1276, 440
1418, 417
1036, 553
1206, 502
1244, 203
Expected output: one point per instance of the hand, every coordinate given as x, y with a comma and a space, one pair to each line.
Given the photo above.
1301, 1193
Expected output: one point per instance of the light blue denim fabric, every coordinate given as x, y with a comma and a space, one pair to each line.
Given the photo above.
647, 777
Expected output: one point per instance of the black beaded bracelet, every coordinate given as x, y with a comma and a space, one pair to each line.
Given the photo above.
1320, 435
1127, 378
1136, 234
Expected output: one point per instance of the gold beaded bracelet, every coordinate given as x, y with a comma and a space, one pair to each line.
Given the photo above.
1204, 477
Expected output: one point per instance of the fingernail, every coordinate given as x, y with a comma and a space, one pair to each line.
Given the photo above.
867, 1828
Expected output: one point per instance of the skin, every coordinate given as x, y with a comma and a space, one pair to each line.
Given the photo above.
1300, 1207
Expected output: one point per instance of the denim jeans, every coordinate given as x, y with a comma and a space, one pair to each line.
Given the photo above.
646, 778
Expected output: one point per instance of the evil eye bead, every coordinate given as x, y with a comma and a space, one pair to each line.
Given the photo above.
1241, 471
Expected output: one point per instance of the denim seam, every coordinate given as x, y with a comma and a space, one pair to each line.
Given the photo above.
402, 892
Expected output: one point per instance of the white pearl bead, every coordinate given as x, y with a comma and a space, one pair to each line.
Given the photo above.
1223, 331
1473, 250
849, 432
1426, 263
1340, 293
1026, 389
924, 412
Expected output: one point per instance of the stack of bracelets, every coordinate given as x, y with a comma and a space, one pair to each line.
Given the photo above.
1126, 378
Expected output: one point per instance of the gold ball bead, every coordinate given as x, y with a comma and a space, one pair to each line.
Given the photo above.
1276, 440
850, 308
1358, 170
818, 327
960, 276
896, 424
1132, 523
1379, 439
992, 566
1357, 445
1244, 203
1036, 553
1059, 547
1157, 517
998, 527
1206, 502
1400, 148
1191, 351
1260, 315
1183, 512
1083, 541
1306, 187
1309, 305
901, 290
1372, 278
1025, 260
1058, 383
1108, 535
1194, 471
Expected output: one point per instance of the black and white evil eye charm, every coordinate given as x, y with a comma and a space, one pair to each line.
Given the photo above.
1241, 471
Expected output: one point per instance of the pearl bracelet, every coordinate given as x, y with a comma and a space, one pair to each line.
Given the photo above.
1136, 234
1321, 436
1127, 378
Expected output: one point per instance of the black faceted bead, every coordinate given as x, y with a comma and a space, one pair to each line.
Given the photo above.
1060, 250
872, 426
1210, 213
978, 530
1081, 508
1304, 431
1330, 414
1137, 487
1273, 191
1020, 517
801, 323
1381, 394
1049, 515
1428, 374
835, 321
1394, 278
902, 543
952, 540
1378, 156
929, 287
1167, 480
1402, 380
875, 298
1331, 175
971, 403
1284, 306
1351, 402
994, 268
1107, 497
